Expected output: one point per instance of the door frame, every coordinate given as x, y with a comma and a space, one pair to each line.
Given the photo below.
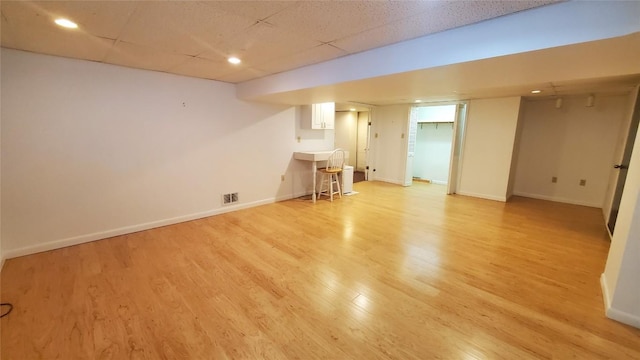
457, 143
455, 162
623, 164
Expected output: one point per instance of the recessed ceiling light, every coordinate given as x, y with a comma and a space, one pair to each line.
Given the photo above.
66, 23
352, 109
536, 91
418, 101
234, 60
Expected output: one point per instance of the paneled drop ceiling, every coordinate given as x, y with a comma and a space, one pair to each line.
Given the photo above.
194, 38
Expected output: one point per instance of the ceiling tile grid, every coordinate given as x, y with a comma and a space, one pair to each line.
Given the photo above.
269, 36
195, 38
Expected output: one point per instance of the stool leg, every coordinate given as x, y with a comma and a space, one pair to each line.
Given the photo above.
331, 186
322, 185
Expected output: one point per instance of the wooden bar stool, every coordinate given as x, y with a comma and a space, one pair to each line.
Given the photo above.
330, 174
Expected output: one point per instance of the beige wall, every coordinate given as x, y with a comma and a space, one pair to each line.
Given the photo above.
488, 147
571, 143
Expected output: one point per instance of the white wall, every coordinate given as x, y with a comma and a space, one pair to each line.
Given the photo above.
92, 150
433, 151
346, 130
488, 147
388, 146
621, 289
572, 143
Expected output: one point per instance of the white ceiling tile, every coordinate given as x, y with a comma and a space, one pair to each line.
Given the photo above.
307, 57
329, 21
262, 43
381, 36
98, 18
23, 28
432, 18
256, 10
242, 75
202, 68
189, 28
133, 55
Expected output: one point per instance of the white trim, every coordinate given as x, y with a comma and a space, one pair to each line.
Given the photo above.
557, 199
615, 314
623, 317
605, 292
76, 240
292, 196
483, 196
392, 181
439, 182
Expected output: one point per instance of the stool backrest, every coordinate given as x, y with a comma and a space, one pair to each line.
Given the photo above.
336, 160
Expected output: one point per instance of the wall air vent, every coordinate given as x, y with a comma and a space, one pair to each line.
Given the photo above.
228, 199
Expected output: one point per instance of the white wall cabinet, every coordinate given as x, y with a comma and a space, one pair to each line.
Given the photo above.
318, 116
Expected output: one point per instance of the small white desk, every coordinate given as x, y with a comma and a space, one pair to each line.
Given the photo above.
314, 157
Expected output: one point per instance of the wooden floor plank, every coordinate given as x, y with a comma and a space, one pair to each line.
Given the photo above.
390, 273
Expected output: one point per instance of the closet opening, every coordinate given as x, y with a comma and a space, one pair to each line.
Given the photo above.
434, 146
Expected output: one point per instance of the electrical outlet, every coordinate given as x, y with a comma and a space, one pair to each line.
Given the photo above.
554, 179
281, 177
583, 182
298, 138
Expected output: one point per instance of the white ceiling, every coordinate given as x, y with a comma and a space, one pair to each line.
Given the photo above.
195, 38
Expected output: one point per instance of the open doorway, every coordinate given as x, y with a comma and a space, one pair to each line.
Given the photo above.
352, 134
434, 146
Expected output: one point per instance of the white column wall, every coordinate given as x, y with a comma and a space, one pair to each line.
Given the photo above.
488, 147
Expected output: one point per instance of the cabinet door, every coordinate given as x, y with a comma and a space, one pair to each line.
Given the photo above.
317, 121
318, 116
328, 115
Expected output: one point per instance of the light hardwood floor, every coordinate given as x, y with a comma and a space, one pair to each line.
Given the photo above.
389, 273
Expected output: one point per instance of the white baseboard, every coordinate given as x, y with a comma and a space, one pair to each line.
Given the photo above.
557, 199
483, 196
438, 182
392, 181
623, 317
605, 292
76, 240
615, 314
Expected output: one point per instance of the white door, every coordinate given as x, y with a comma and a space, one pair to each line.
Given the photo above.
456, 149
362, 145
